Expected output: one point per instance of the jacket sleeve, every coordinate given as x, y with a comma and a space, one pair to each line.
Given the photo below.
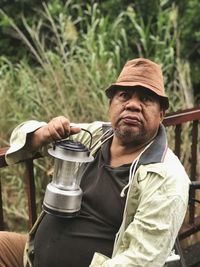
150, 235
18, 150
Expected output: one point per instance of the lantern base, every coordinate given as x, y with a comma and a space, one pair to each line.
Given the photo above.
60, 202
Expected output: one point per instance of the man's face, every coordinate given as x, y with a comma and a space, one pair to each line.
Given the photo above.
135, 115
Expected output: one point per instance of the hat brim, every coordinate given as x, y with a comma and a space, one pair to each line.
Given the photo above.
110, 91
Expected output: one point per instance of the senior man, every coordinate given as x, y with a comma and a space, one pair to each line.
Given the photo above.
135, 192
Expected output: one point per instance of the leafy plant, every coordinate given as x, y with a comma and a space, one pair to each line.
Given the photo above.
76, 53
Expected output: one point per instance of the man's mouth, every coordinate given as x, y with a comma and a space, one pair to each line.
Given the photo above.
131, 120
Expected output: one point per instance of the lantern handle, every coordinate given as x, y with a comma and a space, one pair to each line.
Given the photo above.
90, 136
82, 129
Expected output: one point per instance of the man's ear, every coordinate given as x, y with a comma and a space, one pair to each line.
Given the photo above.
110, 100
162, 115
109, 104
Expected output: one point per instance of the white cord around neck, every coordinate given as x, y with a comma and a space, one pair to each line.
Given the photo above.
133, 169
100, 139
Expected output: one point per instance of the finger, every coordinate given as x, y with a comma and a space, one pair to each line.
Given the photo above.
74, 130
59, 127
53, 133
65, 124
69, 129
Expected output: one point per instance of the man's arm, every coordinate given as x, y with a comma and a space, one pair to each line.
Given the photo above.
32, 136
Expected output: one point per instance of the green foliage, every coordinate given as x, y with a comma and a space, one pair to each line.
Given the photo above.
10, 45
73, 52
190, 39
68, 78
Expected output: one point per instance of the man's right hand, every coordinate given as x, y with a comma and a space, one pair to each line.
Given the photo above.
57, 129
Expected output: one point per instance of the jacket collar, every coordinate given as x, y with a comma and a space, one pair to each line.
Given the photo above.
155, 153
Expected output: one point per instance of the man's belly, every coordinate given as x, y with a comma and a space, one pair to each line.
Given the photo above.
72, 242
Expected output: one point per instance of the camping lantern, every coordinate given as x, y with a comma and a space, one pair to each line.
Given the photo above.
63, 195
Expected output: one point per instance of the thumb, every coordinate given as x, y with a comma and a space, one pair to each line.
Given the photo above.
74, 129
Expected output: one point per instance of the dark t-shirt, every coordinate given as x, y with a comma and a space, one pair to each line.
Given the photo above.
71, 242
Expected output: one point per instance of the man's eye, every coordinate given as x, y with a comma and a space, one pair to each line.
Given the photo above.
147, 99
123, 95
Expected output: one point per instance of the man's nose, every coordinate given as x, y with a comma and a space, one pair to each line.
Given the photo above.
133, 103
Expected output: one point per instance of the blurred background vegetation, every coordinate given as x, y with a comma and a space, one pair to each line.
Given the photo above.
57, 57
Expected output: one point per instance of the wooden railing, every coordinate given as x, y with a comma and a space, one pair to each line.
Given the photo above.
176, 120
29, 185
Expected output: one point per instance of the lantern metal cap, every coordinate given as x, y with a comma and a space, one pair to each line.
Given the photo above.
70, 151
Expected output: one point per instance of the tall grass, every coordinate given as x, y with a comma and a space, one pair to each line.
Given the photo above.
74, 61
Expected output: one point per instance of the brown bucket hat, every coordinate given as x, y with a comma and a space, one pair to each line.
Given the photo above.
141, 72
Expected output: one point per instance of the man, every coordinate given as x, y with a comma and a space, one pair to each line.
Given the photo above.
135, 191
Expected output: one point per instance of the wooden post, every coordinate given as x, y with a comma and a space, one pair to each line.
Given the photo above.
1, 210
30, 189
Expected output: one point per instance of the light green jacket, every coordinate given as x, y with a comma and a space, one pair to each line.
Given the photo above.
157, 200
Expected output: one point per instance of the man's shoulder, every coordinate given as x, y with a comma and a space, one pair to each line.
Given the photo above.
173, 169
171, 161
170, 167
